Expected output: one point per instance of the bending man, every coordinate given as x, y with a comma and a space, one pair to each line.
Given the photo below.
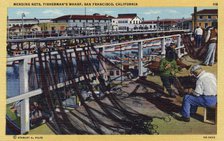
204, 94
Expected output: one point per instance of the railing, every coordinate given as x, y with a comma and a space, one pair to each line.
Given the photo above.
25, 94
97, 35
57, 33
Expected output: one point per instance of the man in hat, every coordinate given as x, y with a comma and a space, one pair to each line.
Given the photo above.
171, 47
168, 68
203, 95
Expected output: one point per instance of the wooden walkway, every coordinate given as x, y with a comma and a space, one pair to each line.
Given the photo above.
134, 100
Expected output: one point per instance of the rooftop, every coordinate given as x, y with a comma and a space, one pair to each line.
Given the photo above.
84, 17
207, 12
27, 19
121, 16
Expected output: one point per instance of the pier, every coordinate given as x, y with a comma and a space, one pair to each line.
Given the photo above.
105, 113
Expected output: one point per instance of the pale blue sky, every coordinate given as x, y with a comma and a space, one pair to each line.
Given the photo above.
148, 13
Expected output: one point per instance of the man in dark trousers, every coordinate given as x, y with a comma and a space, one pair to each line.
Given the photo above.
168, 69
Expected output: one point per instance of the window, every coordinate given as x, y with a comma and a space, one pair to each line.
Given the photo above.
111, 73
199, 24
206, 25
122, 28
200, 17
135, 28
209, 17
117, 72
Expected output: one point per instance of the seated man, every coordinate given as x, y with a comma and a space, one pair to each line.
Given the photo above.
37, 115
204, 94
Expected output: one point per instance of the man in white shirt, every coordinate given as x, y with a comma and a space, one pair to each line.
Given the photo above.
203, 95
198, 33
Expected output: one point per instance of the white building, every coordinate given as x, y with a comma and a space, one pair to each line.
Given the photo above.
125, 22
146, 26
87, 23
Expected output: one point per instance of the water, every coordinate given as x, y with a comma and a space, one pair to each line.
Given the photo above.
13, 81
12, 76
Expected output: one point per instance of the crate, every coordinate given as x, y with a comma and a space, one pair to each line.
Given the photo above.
210, 114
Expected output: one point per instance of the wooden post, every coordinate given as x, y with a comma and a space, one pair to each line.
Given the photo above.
24, 87
178, 45
163, 50
140, 57
195, 18
102, 51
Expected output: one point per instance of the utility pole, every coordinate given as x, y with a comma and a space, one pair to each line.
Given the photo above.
195, 18
158, 23
182, 23
23, 15
85, 23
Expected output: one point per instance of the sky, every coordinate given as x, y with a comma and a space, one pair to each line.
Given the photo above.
148, 13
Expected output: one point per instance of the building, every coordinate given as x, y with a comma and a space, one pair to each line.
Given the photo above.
125, 22
146, 26
24, 30
168, 24
31, 21
53, 27
205, 18
87, 24
185, 24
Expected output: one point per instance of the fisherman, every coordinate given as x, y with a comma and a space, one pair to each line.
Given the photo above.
171, 48
203, 95
211, 39
198, 35
168, 68
37, 115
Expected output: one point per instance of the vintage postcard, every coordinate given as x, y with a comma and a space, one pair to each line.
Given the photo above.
136, 70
